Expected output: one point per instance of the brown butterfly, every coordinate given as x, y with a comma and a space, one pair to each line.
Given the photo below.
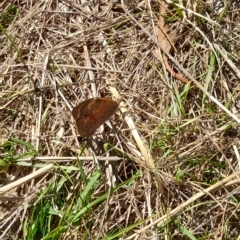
92, 113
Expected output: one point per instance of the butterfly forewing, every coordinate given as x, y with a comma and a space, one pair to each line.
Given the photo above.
92, 113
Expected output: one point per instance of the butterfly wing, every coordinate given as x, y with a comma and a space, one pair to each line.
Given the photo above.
92, 113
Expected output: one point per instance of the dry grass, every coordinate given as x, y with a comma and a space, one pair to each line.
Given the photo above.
172, 148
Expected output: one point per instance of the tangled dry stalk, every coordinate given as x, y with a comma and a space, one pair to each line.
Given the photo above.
166, 166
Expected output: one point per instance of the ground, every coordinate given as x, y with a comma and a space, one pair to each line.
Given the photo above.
165, 165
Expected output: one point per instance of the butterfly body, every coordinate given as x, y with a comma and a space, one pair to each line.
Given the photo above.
92, 113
